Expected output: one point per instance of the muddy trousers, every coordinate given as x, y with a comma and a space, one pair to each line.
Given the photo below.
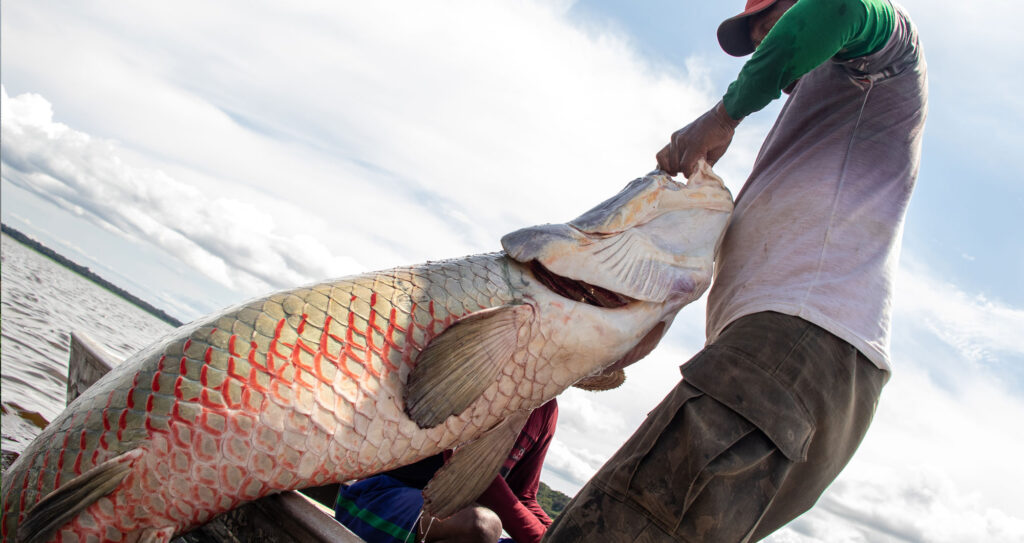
762, 422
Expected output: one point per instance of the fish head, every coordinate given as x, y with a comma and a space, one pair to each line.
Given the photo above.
654, 241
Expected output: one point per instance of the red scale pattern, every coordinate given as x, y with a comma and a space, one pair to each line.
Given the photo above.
217, 420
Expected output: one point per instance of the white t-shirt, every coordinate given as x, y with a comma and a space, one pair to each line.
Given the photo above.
817, 228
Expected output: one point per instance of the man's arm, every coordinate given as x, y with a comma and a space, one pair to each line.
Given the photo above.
524, 479
514, 497
519, 521
808, 34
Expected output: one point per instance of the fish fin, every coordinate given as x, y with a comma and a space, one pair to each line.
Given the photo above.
624, 263
654, 241
461, 362
471, 468
66, 502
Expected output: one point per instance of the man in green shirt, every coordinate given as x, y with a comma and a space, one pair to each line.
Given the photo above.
799, 314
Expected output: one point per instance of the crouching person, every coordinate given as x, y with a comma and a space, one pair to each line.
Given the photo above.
386, 508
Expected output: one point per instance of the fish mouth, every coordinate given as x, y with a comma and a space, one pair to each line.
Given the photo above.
578, 291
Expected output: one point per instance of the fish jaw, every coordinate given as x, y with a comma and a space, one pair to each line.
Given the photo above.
570, 341
653, 241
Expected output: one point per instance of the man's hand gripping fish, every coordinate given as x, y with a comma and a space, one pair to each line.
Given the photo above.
348, 378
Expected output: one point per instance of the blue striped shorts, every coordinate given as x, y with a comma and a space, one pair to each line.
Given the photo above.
380, 509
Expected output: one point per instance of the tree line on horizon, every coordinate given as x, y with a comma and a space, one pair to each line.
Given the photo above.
84, 271
551, 500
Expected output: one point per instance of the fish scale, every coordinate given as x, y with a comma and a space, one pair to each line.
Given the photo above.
252, 401
348, 378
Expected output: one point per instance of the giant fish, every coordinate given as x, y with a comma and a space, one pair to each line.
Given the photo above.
344, 379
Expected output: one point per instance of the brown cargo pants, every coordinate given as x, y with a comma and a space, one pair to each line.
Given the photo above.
765, 418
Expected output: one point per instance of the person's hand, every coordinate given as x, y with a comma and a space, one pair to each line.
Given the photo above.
707, 137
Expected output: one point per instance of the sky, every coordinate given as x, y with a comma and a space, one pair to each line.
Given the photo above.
199, 154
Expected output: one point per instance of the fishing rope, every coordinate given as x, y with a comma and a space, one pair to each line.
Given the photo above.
429, 524
412, 531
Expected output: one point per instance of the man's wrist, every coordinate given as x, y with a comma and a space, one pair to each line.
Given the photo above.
723, 116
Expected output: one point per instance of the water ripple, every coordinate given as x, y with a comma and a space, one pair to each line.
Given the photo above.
42, 302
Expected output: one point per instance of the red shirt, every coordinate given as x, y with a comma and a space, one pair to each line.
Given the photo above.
514, 496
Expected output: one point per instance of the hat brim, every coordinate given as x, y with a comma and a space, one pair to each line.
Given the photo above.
734, 32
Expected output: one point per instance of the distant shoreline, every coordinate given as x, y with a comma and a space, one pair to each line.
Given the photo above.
88, 274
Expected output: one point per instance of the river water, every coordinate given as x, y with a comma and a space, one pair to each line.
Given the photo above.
41, 303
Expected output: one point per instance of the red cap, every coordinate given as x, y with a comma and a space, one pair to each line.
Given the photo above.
734, 34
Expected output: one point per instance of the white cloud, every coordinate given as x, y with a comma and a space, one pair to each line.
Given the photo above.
231, 241
979, 329
989, 24
574, 465
969, 46
934, 467
382, 134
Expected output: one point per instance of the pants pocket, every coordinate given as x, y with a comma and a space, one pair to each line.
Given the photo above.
668, 478
658, 468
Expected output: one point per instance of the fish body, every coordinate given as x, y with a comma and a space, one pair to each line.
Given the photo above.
348, 378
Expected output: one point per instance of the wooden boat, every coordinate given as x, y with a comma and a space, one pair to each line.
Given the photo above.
288, 517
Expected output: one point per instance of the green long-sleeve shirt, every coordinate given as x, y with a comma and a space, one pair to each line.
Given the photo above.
808, 34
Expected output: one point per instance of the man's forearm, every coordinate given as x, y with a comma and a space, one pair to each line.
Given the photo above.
519, 521
808, 34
